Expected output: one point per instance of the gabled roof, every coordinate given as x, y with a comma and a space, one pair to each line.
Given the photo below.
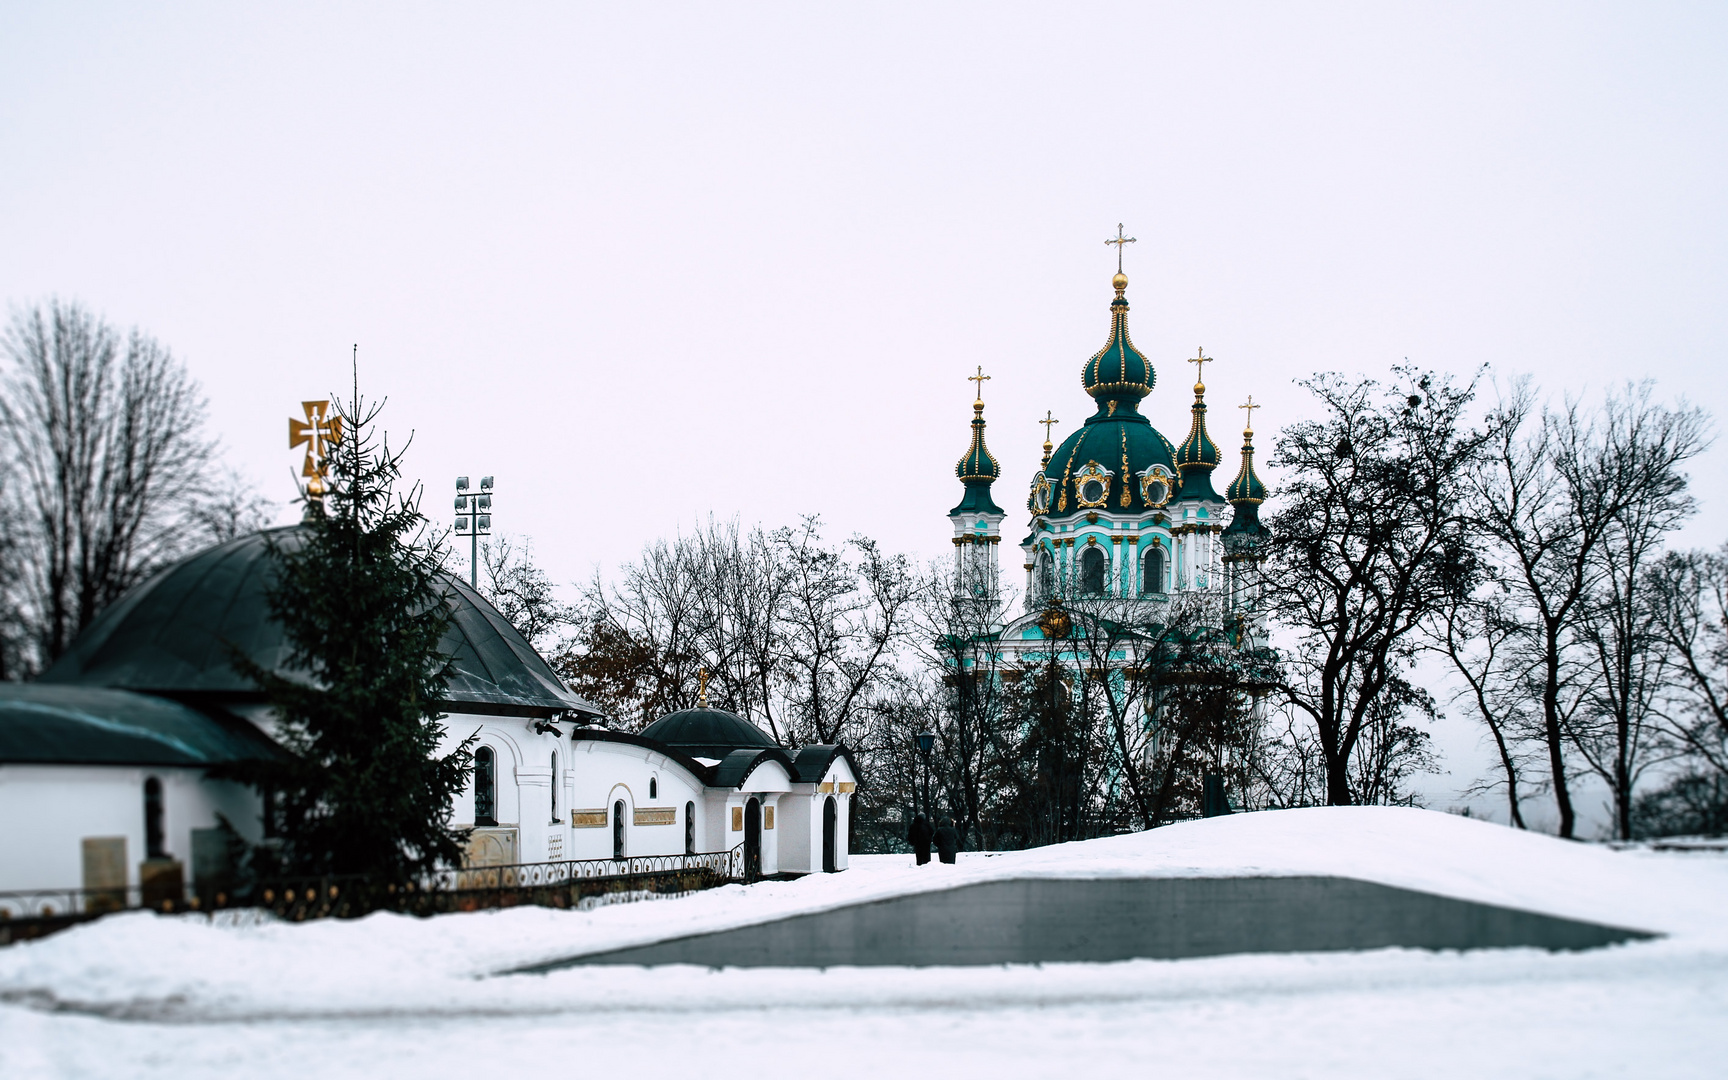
812, 762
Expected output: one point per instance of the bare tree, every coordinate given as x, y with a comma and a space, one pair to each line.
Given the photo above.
521, 591
1689, 593
1370, 543
1476, 635
1560, 486
105, 435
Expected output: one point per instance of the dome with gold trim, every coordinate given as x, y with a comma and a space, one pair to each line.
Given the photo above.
1117, 461
1118, 371
978, 469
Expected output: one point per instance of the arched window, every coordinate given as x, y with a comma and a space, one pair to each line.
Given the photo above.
554, 787
155, 844
618, 829
1046, 577
689, 828
1153, 581
1092, 571
653, 787
485, 787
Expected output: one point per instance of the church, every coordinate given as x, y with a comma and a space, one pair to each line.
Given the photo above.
106, 756
1119, 516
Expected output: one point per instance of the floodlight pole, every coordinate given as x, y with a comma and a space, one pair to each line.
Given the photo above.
474, 516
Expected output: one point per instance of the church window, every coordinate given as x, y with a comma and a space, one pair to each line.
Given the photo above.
155, 845
1092, 485
1046, 576
1153, 581
1092, 572
653, 787
485, 787
689, 828
618, 829
554, 787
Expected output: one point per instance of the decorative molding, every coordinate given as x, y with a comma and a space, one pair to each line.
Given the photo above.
847, 787
737, 819
589, 819
656, 815
827, 788
767, 818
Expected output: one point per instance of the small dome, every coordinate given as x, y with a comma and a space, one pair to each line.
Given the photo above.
977, 470
1247, 486
707, 732
1198, 448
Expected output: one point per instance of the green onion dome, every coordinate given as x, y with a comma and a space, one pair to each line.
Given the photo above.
977, 470
1246, 493
1118, 371
1198, 455
1246, 488
1117, 462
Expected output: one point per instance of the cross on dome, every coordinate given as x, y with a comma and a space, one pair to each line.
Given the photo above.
1120, 239
1248, 425
1200, 360
980, 379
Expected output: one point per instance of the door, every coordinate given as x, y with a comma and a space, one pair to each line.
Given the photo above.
752, 840
830, 820
618, 829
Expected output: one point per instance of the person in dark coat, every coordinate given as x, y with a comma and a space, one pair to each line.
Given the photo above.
919, 836
947, 840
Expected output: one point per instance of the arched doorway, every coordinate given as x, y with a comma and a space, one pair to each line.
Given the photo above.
830, 823
689, 828
618, 829
752, 840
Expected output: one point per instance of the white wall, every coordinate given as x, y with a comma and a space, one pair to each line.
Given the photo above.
52, 808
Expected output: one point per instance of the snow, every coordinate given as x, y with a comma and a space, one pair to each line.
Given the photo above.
146, 995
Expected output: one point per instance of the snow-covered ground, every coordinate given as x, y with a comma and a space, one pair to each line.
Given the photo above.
386, 996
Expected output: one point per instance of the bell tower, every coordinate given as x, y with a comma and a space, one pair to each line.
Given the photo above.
977, 521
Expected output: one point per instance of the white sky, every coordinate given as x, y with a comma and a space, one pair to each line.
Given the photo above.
647, 264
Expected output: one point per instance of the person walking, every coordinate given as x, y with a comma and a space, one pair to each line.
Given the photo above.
919, 836
947, 840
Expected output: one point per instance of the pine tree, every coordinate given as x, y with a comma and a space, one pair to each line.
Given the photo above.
358, 592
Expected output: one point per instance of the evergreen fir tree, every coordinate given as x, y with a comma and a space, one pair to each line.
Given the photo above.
364, 607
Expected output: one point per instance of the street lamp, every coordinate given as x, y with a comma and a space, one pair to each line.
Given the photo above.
926, 741
474, 520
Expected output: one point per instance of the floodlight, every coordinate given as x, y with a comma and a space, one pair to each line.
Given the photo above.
461, 483
485, 521
461, 524
461, 503
485, 483
485, 501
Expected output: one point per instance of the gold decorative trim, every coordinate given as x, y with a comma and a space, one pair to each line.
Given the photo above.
767, 818
827, 788
737, 819
589, 819
847, 787
655, 815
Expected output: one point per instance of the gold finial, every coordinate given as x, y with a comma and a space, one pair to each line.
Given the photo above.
702, 687
1121, 280
1200, 360
1048, 421
318, 433
980, 379
1248, 425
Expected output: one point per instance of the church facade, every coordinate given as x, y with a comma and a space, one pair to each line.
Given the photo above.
108, 754
1118, 515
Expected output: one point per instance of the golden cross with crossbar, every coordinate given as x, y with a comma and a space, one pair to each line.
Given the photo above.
1248, 425
1119, 241
980, 379
317, 433
1049, 419
1200, 361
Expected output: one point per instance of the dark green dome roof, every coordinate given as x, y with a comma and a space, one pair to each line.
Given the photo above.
1122, 443
171, 634
707, 732
1118, 371
977, 470
1247, 486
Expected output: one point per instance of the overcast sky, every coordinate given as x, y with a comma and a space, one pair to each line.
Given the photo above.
645, 264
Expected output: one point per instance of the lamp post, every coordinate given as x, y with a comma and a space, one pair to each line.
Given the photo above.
926, 741
474, 519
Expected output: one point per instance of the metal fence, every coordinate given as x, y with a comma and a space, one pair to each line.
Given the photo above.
567, 883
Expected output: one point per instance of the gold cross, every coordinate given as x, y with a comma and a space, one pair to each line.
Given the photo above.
980, 379
702, 687
1200, 361
1119, 241
1049, 419
318, 433
1249, 423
